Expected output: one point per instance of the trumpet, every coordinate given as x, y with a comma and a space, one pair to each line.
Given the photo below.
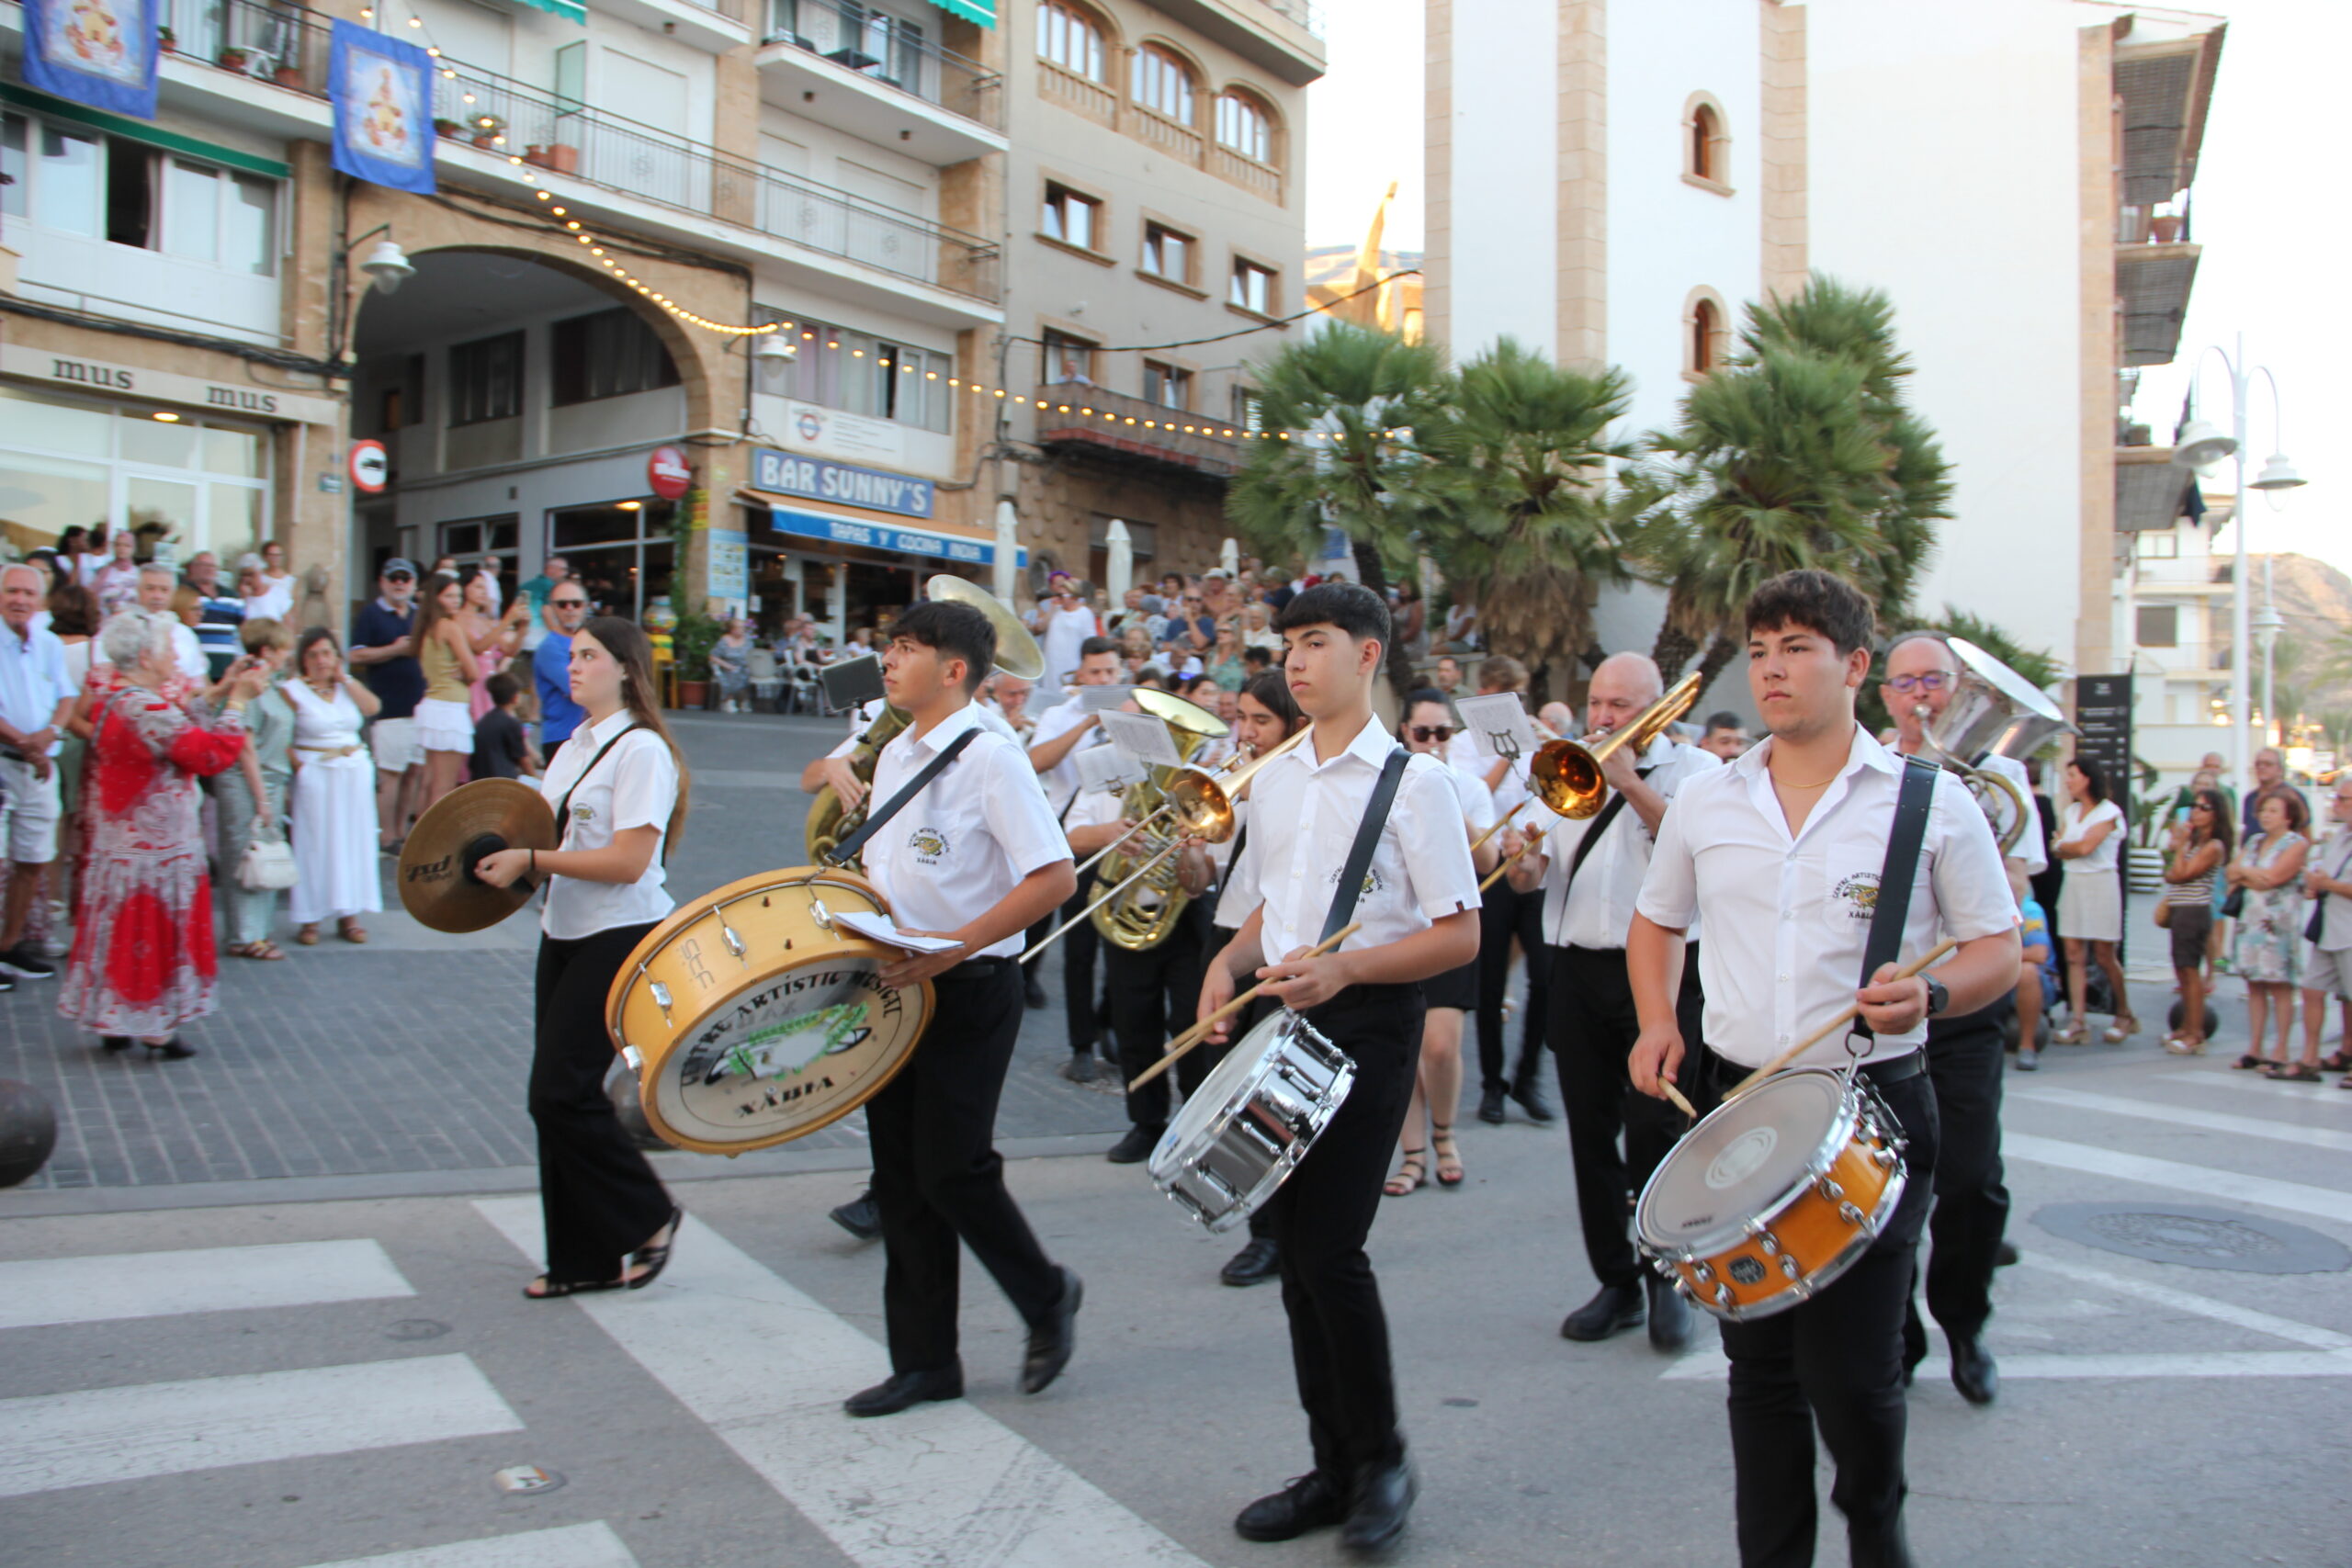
1565, 774
1204, 806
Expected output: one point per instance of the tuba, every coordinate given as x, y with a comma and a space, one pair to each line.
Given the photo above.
1017, 653
1145, 913
1994, 711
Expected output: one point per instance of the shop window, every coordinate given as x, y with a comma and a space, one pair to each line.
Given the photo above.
1072, 219
621, 551
1167, 254
1248, 408
486, 379
1162, 84
608, 354
2156, 543
1244, 126
65, 461
2159, 625
1167, 385
1252, 287
1067, 359
1069, 38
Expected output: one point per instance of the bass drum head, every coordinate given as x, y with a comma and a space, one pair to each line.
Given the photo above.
1738, 1163
1221, 1094
785, 1054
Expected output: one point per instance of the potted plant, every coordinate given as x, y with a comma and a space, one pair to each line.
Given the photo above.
167, 39
234, 58
561, 157
691, 641
449, 127
2167, 227
489, 130
286, 75
2143, 858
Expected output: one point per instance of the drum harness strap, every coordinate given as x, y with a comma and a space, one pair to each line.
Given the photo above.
563, 808
846, 850
1375, 818
1895, 878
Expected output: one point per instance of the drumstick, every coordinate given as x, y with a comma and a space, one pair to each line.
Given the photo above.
1835, 1024
1199, 1031
1680, 1104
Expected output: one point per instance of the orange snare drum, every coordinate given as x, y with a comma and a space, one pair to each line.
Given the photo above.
751, 1017
1775, 1194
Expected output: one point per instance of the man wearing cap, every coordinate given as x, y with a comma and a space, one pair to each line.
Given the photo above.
385, 653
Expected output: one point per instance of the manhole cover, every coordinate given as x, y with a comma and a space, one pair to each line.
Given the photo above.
2200, 1237
414, 1328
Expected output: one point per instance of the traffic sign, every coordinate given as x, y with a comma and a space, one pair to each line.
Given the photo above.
371, 465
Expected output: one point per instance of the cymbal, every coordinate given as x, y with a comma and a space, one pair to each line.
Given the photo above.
1017, 652
436, 881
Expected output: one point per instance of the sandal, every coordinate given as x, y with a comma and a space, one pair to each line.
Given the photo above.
350, 930
2250, 1063
548, 1290
2339, 1063
654, 1256
1449, 1158
308, 936
2072, 1035
2300, 1072
1412, 1175
261, 950
2122, 1029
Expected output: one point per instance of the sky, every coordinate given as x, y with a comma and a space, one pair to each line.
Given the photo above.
2272, 224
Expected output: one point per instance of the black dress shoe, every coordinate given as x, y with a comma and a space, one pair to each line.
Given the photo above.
1490, 1106
1669, 1316
171, 1050
1135, 1146
861, 1216
1529, 1095
115, 1041
903, 1390
1254, 1264
1313, 1502
2005, 1255
1612, 1310
1080, 1067
1973, 1371
1383, 1496
1051, 1342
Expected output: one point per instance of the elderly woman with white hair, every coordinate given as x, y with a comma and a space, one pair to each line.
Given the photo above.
144, 962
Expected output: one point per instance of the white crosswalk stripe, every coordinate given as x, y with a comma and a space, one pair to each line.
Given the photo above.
766, 1368
2187, 1116
575, 1546
37, 1292
2295, 1197
166, 1428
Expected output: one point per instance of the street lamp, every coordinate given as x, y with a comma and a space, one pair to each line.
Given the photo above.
2199, 445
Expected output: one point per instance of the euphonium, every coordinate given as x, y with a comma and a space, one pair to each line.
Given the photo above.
828, 821
1144, 915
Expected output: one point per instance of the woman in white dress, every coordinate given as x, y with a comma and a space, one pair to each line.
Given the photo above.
2090, 902
334, 808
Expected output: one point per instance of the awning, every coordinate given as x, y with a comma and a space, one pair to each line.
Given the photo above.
789, 515
981, 11
570, 10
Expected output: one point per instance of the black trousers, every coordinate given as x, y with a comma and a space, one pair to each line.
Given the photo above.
600, 1198
1833, 1364
1321, 1216
1080, 1003
937, 1177
1591, 1031
1972, 1205
1504, 915
1154, 995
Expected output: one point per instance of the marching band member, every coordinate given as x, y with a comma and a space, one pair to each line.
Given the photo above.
1781, 854
1062, 730
1590, 873
1965, 1055
1437, 1081
620, 801
1266, 716
937, 1177
1507, 917
1417, 904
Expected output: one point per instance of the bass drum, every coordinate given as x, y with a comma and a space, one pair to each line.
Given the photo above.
1253, 1121
752, 1017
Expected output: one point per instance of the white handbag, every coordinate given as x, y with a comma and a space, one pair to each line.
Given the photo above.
267, 865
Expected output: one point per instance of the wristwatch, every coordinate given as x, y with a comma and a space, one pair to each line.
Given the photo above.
1938, 997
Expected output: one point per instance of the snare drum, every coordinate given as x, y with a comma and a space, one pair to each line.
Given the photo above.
752, 1017
1244, 1131
1775, 1194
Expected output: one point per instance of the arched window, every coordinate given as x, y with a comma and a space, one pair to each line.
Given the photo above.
1244, 126
1705, 334
1071, 39
1162, 84
1706, 144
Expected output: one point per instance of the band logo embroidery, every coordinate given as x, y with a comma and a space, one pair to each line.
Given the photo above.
1856, 895
1373, 884
928, 844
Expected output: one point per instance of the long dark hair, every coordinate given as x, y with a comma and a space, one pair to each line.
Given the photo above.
2093, 774
429, 613
2224, 832
631, 649
1271, 691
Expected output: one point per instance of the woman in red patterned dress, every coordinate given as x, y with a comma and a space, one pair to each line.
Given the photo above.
143, 961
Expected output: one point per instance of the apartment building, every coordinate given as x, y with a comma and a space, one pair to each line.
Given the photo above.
2014, 174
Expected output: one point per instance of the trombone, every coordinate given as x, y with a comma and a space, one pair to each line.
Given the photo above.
1203, 804
1565, 774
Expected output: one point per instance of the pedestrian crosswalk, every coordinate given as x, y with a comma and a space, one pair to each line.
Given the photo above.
211, 1278
575, 1546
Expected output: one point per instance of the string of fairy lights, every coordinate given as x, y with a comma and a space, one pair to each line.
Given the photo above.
599, 253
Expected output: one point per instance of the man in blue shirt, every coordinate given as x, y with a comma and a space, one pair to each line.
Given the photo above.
551, 668
220, 612
385, 655
34, 700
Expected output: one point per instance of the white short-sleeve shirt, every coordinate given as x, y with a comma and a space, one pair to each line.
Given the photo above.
1788, 918
967, 838
635, 785
1596, 909
1304, 816
1061, 779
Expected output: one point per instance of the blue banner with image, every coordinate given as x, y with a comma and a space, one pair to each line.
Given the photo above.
381, 90
99, 52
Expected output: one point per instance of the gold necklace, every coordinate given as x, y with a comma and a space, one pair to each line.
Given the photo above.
1786, 785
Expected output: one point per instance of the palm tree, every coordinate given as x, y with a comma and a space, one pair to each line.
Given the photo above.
1349, 408
1536, 530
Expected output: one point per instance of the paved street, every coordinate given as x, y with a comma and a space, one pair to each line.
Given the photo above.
263, 1311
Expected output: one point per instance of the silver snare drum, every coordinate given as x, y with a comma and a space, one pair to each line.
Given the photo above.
1246, 1129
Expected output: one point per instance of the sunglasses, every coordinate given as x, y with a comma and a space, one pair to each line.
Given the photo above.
1933, 680
398, 577
569, 603
1425, 733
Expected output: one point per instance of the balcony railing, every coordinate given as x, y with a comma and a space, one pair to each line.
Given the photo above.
1303, 12
1082, 95
653, 165
883, 49
285, 44
1114, 424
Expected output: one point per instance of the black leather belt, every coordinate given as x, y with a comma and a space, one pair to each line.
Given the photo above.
1894, 1069
979, 968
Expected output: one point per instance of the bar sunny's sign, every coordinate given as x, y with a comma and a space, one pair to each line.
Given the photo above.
812, 478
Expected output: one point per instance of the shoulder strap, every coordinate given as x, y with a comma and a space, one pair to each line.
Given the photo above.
846, 850
1894, 878
1375, 816
563, 808
1599, 826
